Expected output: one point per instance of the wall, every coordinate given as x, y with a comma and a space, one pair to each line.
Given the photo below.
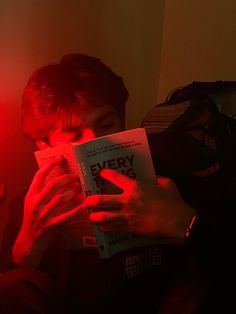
155, 45
125, 34
199, 43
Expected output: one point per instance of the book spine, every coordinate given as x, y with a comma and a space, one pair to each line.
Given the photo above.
89, 188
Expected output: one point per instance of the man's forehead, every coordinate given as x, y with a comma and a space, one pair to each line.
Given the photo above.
76, 117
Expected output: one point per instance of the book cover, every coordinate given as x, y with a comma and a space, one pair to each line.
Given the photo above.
126, 152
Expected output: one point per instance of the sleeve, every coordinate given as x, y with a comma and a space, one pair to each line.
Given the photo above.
11, 230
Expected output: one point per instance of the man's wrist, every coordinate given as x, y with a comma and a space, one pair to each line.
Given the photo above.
26, 252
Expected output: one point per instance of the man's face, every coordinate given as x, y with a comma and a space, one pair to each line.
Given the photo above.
85, 126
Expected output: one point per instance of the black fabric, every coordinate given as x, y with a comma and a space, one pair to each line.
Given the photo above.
194, 136
197, 88
26, 290
194, 143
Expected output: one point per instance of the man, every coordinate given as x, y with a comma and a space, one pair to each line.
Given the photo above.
76, 100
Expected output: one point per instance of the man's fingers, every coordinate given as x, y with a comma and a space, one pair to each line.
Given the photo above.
166, 183
60, 203
62, 183
105, 216
116, 178
41, 175
68, 216
104, 201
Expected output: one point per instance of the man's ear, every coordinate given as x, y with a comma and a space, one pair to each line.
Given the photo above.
42, 144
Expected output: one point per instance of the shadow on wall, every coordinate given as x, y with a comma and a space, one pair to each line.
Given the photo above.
3, 193
2, 189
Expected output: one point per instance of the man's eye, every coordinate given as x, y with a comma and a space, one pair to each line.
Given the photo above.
73, 138
107, 125
77, 137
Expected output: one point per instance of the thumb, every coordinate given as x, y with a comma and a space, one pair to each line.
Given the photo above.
163, 181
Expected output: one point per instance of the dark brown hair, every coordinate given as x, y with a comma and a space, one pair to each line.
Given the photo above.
77, 80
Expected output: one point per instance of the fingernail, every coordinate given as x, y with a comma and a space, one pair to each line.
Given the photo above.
58, 158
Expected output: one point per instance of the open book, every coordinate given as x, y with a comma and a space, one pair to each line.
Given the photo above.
127, 152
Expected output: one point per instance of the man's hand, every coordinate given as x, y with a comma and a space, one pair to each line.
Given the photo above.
41, 222
146, 209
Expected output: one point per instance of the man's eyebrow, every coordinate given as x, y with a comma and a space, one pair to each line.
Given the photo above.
72, 128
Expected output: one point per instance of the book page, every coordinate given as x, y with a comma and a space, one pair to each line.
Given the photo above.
67, 166
78, 233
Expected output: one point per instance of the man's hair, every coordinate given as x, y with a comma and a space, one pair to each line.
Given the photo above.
77, 80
